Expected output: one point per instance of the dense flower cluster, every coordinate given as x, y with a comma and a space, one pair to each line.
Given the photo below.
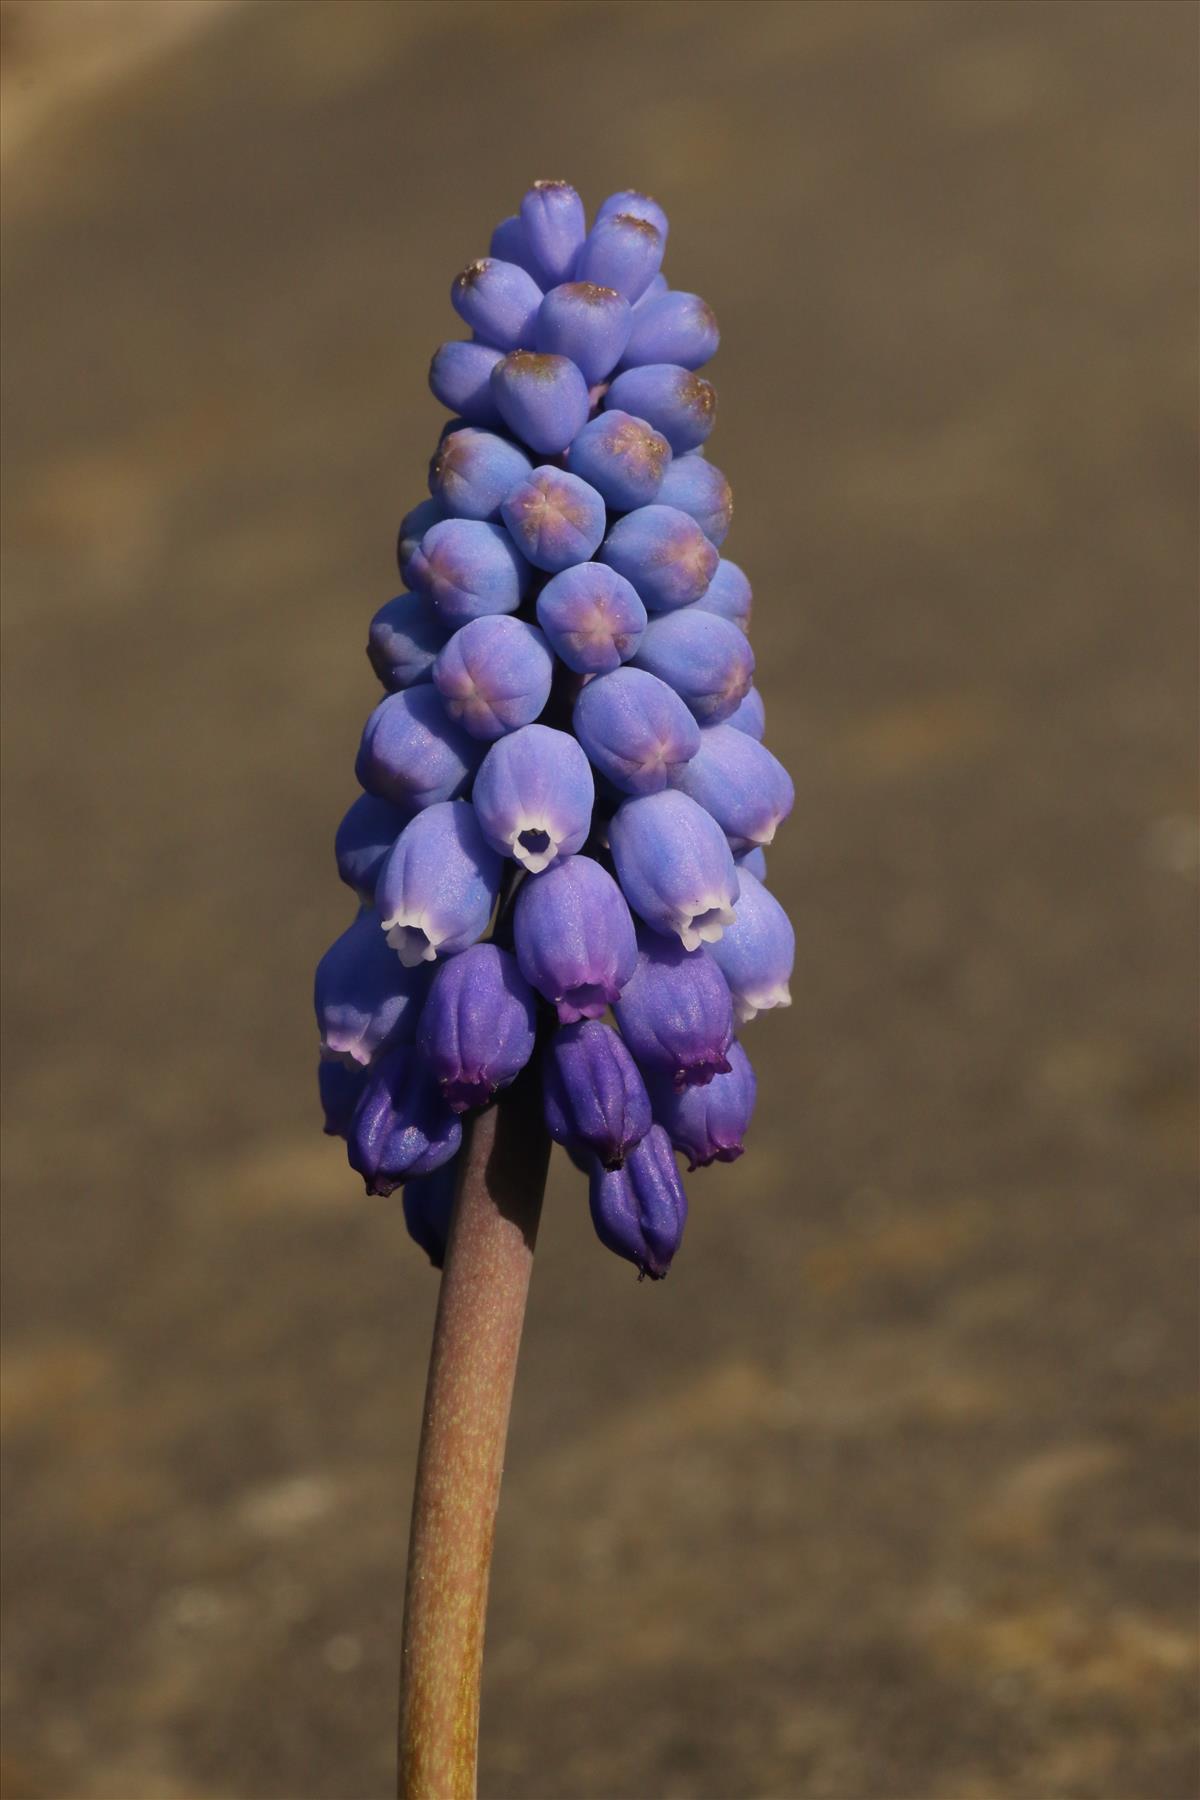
568, 754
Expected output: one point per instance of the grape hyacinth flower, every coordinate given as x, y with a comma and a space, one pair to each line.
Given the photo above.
565, 798
534, 795
640, 1209
494, 675
477, 1025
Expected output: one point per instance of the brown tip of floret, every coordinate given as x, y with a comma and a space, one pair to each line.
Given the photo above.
473, 273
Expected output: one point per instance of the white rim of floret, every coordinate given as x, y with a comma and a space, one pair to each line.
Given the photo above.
705, 924
748, 1006
348, 1055
412, 939
535, 860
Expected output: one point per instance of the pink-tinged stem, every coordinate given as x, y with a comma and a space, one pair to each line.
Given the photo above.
472, 1367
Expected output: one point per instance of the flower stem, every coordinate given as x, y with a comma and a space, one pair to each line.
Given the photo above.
481, 1309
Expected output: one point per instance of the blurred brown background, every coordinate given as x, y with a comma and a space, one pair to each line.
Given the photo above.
888, 1493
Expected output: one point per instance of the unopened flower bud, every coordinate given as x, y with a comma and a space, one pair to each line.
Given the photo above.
401, 1126
675, 1012
411, 753
592, 618
621, 251
365, 836
664, 553
494, 675
460, 376
698, 488
586, 323
636, 729
574, 937
623, 458
708, 1124
555, 519
473, 470
749, 715
707, 661
728, 593
676, 328
403, 638
476, 1030
554, 227
468, 568
542, 399
636, 206
498, 300
413, 526
639, 1210
340, 1087
594, 1097
680, 404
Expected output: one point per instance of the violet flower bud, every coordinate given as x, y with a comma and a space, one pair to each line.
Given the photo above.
636, 206
439, 886
555, 519
553, 226
366, 834
413, 526
675, 866
469, 568
639, 1210
460, 376
411, 753
477, 1025
494, 675
676, 328
592, 617
706, 660
588, 324
636, 729
472, 470
757, 951
542, 399
664, 553
340, 1087
509, 244
675, 1012
533, 797
698, 488
574, 937
428, 1203
362, 994
621, 251
680, 404
749, 715
657, 288
401, 1126
498, 300
754, 860
709, 1123
594, 1098
404, 637
736, 779
728, 593
623, 458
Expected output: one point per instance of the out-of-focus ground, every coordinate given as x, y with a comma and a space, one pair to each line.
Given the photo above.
888, 1493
